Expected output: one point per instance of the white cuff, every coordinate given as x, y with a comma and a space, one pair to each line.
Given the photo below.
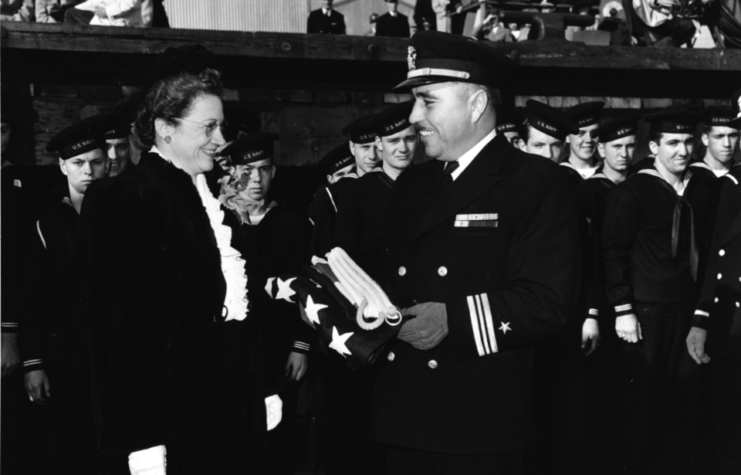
274, 409
151, 461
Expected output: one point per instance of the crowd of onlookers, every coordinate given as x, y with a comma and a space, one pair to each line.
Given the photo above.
645, 22
131, 13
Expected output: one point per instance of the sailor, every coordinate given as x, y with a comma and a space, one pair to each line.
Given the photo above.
273, 241
546, 130
712, 339
342, 164
616, 144
359, 231
359, 227
118, 147
57, 369
651, 255
511, 123
582, 162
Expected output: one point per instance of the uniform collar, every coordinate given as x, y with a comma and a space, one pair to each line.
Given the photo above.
655, 173
468, 157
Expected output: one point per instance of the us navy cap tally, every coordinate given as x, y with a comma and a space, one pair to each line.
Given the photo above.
359, 131
617, 128
586, 113
251, 148
674, 120
736, 105
240, 120
336, 159
119, 128
509, 121
434, 56
84, 136
720, 116
550, 121
392, 120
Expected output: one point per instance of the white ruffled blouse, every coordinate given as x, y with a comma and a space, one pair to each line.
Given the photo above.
232, 263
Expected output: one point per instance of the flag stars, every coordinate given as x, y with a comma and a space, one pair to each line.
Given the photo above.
339, 342
312, 310
285, 291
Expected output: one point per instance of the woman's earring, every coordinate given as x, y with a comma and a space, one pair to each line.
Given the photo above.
167, 139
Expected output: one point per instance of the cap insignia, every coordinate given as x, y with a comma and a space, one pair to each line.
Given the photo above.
412, 59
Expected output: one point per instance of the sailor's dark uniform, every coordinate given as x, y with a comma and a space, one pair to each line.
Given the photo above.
651, 252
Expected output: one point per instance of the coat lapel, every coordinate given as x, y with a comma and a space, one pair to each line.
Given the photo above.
480, 175
734, 230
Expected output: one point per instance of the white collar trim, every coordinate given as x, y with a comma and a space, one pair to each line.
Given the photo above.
468, 157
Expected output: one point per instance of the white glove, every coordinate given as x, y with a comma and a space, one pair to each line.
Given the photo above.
274, 408
151, 461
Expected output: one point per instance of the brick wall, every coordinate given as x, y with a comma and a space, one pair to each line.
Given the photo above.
308, 121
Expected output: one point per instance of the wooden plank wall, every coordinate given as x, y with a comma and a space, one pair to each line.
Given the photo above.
286, 16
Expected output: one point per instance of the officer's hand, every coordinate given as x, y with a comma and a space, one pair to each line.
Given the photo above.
10, 357
274, 409
628, 328
590, 336
696, 345
37, 386
296, 366
428, 328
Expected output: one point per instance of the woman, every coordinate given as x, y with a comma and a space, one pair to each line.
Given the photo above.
161, 281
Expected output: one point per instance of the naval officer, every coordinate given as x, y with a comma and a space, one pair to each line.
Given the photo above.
483, 246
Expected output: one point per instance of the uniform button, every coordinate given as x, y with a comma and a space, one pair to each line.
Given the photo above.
442, 271
720, 276
402, 271
391, 356
722, 253
432, 364
738, 304
716, 300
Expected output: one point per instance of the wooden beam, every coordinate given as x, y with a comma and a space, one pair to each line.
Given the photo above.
291, 46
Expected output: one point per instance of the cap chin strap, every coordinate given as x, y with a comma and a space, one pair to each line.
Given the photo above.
438, 72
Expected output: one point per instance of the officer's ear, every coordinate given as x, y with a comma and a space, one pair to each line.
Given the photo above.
654, 147
478, 102
352, 147
379, 144
330, 179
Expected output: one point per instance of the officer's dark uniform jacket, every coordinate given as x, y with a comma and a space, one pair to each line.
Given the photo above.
324, 215
388, 25
719, 307
711, 183
318, 22
359, 228
640, 263
500, 248
591, 195
154, 302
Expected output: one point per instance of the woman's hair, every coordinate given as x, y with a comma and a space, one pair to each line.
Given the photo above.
179, 78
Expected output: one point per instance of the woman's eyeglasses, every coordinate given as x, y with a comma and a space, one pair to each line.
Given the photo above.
210, 127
